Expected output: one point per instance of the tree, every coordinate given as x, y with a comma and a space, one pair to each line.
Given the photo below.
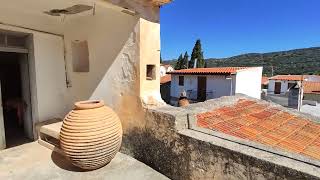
179, 63
161, 59
197, 54
185, 61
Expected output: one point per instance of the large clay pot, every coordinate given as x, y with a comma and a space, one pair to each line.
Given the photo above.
91, 135
183, 102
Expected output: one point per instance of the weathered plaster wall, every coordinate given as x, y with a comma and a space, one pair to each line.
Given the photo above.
179, 153
149, 54
120, 47
113, 41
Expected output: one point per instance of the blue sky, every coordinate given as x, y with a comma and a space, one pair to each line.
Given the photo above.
232, 27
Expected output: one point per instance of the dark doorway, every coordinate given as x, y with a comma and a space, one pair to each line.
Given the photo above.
277, 88
13, 104
202, 88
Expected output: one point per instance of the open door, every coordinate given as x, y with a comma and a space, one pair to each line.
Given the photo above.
2, 130
277, 88
202, 88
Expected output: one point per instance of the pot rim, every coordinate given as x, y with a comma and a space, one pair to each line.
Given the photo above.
89, 104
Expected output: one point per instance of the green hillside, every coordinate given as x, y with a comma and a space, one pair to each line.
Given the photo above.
298, 61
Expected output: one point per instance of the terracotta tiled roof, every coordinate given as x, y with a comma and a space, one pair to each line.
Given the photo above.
264, 80
311, 87
215, 70
165, 79
289, 77
267, 125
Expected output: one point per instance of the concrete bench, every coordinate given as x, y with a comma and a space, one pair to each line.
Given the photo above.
49, 132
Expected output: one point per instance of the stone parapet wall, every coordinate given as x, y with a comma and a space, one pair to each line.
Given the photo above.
168, 146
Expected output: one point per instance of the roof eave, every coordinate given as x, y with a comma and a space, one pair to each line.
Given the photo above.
186, 73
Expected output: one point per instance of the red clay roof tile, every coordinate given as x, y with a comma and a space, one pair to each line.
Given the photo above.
267, 125
289, 77
311, 87
215, 70
165, 79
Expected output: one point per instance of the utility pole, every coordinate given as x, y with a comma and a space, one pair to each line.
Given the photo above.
272, 70
300, 96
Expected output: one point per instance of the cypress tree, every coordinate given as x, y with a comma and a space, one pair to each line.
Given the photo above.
179, 63
197, 53
161, 59
185, 61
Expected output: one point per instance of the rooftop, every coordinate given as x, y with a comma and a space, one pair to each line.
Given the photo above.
165, 79
215, 70
265, 124
33, 161
311, 87
289, 77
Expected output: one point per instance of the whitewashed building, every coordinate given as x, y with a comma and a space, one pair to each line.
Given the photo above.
53, 53
208, 83
280, 84
164, 68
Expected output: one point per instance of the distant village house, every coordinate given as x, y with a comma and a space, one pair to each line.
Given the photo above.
280, 84
164, 68
202, 84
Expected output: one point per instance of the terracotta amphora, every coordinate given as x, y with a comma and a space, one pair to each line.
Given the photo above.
91, 135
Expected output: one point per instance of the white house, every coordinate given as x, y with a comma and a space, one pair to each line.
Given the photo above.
164, 68
281, 83
208, 83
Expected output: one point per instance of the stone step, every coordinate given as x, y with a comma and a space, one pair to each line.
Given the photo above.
49, 133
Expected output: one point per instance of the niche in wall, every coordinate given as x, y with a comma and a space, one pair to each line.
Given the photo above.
151, 72
80, 56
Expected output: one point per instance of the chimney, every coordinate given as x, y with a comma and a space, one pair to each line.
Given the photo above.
195, 63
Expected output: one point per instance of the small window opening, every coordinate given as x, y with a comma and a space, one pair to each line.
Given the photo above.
80, 56
181, 80
151, 72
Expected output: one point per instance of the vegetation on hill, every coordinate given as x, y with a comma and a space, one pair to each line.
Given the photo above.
298, 61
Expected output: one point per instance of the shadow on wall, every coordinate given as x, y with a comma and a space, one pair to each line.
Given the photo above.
112, 48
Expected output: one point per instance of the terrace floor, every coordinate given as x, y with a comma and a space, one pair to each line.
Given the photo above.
32, 162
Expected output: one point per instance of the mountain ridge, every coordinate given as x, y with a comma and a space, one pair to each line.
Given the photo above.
295, 61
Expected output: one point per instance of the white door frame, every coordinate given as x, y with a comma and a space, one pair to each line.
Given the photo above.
29, 127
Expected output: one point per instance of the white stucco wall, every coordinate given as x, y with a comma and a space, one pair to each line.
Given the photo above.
284, 86
190, 84
120, 47
163, 71
170, 69
313, 78
220, 86
217, 84
47, 75
248, 82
